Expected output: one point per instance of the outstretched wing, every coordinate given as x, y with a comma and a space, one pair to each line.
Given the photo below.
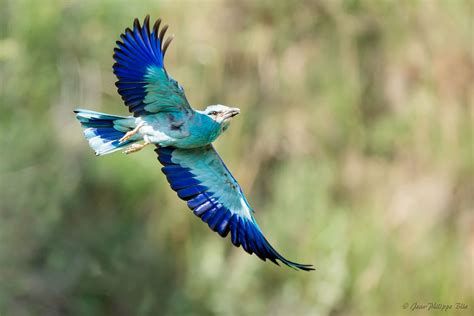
143, 82
200, 177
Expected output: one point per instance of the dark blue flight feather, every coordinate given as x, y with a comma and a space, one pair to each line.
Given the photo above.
143, 82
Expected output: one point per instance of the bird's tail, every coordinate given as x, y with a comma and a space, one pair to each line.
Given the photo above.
104, 131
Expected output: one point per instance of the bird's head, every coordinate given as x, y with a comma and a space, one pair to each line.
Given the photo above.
221, 114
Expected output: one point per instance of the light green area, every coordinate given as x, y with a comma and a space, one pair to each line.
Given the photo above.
354, 146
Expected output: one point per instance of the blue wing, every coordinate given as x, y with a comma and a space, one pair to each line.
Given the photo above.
143, 82
200, 177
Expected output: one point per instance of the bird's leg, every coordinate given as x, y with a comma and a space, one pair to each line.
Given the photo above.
129, 134
135, 147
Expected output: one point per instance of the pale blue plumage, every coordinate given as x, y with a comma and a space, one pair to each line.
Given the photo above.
182, 136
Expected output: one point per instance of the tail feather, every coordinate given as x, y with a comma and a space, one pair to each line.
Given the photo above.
103, 131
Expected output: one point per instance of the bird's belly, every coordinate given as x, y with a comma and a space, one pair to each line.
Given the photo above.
167, 130
158, 130
154, 136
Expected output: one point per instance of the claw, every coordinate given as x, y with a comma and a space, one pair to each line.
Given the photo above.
131, 133
134, 148
127, 136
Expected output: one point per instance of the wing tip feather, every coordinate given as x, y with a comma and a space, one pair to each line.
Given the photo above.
136, 24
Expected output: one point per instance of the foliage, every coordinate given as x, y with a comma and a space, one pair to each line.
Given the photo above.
354, 146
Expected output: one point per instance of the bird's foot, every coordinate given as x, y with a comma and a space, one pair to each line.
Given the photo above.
134, 148
131, 133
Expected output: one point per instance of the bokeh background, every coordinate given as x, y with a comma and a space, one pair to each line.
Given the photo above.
355, 147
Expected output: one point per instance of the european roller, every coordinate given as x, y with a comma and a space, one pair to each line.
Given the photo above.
183, 137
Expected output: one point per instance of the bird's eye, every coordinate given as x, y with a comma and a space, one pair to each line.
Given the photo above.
213, 113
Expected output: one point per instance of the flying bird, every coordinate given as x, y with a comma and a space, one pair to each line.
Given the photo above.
183, 136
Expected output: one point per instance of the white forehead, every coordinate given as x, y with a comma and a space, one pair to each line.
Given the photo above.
217, 107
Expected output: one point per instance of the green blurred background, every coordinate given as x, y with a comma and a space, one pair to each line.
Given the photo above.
355, 147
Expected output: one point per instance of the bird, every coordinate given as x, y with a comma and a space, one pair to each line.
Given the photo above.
182, 136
